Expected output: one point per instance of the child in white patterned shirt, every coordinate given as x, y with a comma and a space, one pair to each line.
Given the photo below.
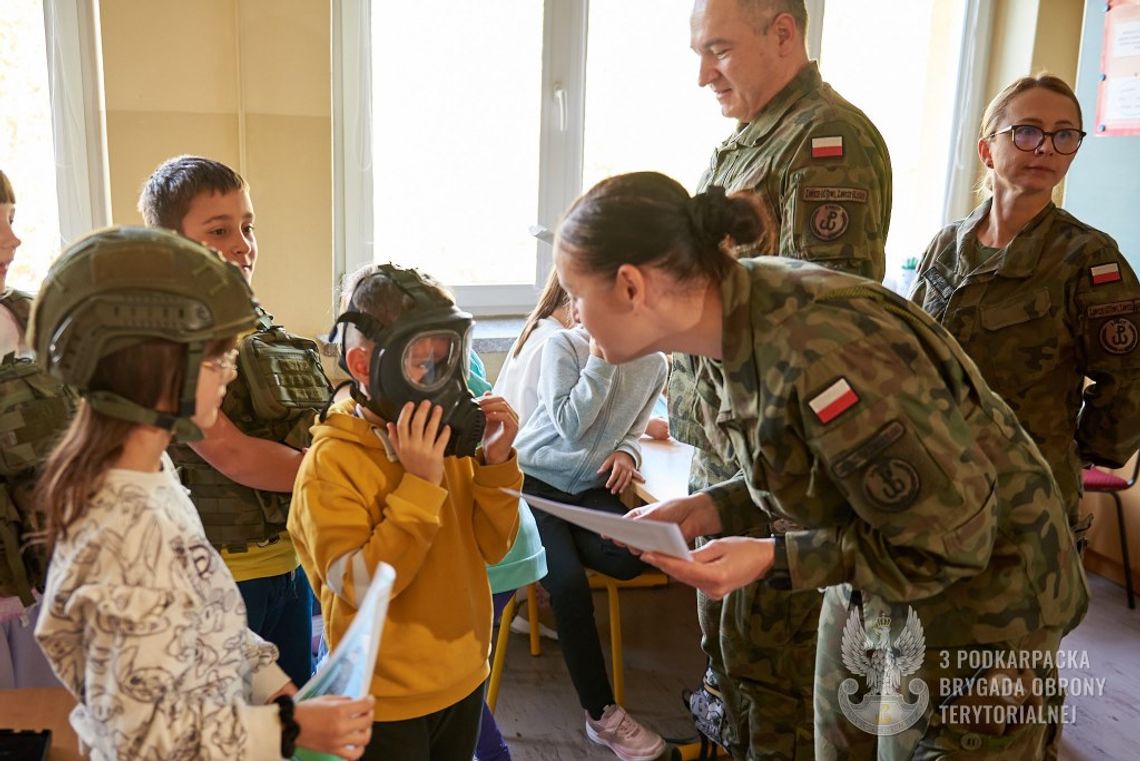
141, 619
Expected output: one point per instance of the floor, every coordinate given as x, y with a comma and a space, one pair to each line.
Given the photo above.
540, 717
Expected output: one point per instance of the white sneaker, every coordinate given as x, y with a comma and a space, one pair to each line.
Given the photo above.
521, 626
621, 733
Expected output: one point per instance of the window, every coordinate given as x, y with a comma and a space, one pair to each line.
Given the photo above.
456, 108
644, 110
26, 150
466, 158
914, 106
548, 98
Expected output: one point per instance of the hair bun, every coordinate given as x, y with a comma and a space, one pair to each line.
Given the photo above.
715, 216
710, 214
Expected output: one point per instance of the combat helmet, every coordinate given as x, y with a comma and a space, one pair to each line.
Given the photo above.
121, 286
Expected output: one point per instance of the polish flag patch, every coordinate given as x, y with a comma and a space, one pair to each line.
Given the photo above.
833, 401
1105, 273
827, 147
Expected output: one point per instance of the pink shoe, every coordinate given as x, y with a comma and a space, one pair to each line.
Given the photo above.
621, 733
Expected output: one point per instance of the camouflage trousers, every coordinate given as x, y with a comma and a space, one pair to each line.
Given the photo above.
977, 705
761, 644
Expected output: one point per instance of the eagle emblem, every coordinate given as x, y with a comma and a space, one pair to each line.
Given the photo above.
870, 653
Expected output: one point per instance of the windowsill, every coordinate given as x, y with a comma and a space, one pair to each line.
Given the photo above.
494, 335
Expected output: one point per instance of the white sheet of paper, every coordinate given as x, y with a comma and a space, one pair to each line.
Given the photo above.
648, 536
348, 669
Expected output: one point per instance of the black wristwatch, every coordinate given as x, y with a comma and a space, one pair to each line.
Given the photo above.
780, 576
290, 729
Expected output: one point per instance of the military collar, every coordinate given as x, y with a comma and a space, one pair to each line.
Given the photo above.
1019, 258
750, 134
737, 330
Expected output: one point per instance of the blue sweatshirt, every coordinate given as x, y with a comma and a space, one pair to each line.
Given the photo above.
587, 410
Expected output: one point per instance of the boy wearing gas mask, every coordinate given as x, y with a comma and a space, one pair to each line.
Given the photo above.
408, 471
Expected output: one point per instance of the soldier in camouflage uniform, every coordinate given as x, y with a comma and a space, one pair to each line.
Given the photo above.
1039, 299
819, 169
855, 417
241, 474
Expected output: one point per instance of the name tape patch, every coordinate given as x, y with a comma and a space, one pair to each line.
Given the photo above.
870, 449
1104, 273
1128, 306
827, 147
833, 401
939, 283
850, 195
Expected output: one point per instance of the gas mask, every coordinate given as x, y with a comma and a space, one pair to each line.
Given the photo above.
422, 355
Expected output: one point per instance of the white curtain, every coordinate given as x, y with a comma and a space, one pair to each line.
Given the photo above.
75, 78
352, 139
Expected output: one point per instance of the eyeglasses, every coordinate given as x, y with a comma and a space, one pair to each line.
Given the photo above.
227, 361
1027, 137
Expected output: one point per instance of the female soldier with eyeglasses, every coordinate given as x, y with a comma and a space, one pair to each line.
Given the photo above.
1038, 299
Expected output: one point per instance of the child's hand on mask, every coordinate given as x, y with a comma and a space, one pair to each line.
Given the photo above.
622, 471
502, 427
418, 440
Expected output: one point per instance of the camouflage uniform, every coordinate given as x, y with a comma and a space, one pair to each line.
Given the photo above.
821, 170
855, 416
1057, 305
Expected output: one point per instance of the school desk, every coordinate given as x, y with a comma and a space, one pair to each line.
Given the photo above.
665, 465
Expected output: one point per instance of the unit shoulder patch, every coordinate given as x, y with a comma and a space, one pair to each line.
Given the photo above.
892, 484
829, 221
1118, 335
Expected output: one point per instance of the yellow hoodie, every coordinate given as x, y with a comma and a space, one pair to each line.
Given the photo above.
354, 506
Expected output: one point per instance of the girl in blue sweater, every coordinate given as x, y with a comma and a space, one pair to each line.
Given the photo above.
581, 447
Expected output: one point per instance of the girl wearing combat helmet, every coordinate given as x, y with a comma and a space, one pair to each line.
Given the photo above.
898, 480
1036, 297
142, 621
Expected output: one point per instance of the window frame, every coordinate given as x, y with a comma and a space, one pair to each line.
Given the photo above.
562, 126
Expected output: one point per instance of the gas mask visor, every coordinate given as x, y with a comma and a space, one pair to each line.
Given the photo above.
424, 355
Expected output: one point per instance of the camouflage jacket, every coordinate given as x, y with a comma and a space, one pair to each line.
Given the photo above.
854, 415
1057, 305
822, 170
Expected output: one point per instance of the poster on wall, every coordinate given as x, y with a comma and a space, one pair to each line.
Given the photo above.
1118, 95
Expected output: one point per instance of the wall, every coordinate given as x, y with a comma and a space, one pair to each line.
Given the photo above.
1031, 37
1103, 182
246, 82
1103, 188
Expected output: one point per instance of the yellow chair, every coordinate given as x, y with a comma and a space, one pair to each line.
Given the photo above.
500, 659
612, 585
597, 581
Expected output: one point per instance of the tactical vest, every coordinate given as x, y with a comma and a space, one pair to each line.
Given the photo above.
34, 410
19, 304
279, 389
